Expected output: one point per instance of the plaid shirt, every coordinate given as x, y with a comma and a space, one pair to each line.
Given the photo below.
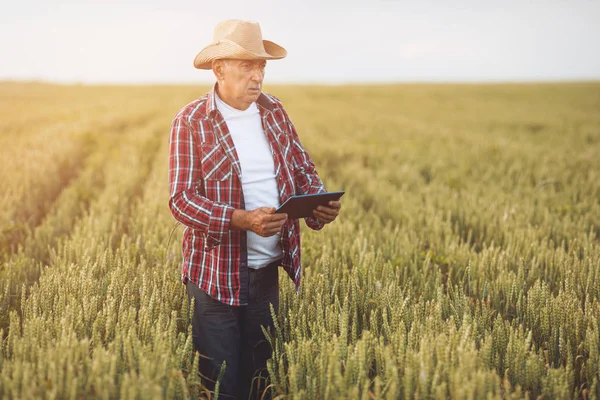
206, 186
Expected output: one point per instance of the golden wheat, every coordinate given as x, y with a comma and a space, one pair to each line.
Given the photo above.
465, 263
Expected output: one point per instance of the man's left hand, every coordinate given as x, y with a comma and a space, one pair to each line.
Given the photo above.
326, 214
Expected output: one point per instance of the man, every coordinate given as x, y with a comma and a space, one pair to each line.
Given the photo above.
235, 157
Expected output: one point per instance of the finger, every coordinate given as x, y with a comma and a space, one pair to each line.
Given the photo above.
270, 231
322, 217
321, 220
267, 233
273, 226
327, 210
275, 217
335, 204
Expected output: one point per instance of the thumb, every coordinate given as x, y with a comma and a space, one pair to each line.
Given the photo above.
268, 210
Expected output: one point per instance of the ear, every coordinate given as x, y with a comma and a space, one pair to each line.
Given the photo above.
217, 67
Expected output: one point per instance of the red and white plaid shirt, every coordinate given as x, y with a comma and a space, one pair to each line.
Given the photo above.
206, 186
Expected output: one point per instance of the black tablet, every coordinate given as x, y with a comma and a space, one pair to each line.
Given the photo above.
303, 206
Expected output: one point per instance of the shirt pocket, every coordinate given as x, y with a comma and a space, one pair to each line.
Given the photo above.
216, 166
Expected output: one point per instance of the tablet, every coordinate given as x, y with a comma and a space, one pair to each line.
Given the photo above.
302, 206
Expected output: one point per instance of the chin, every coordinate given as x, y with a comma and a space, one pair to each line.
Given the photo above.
254, 96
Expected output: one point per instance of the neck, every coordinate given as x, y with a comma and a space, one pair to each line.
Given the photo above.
231, 101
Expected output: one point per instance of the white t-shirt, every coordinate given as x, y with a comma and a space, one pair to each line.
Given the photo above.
259, 182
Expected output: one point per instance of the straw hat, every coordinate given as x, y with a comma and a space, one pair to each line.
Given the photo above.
240, 40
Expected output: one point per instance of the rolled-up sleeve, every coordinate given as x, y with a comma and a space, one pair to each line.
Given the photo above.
187, 202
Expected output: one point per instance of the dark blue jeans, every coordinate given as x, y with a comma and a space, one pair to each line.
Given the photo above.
233, 334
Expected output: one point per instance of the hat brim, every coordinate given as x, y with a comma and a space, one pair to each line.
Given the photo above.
228, 49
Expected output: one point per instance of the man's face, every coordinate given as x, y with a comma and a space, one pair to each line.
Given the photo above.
240, 81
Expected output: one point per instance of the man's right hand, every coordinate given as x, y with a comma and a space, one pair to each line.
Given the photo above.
263, 221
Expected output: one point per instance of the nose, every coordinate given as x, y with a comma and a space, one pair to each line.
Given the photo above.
257, 74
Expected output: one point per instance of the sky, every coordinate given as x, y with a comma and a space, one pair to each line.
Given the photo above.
328, 41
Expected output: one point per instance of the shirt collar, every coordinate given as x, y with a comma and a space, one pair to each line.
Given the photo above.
264, 103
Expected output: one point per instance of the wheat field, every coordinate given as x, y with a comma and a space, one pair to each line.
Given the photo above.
465, 263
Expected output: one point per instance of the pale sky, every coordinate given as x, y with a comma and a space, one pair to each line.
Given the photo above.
337, 41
